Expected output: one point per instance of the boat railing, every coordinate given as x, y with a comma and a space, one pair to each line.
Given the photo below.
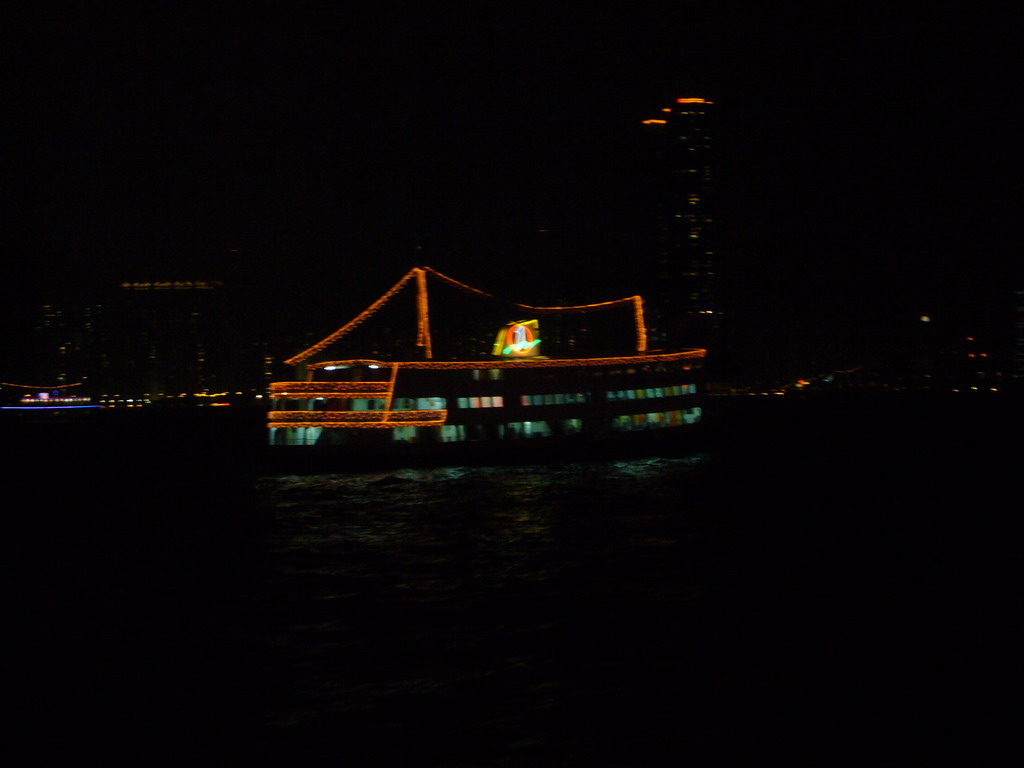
308, 389
356, 419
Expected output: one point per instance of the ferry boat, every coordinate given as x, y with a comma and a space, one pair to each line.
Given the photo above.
517, 396
45, 402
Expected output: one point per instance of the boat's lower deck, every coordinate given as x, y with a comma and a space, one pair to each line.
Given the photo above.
578, 427
370, 405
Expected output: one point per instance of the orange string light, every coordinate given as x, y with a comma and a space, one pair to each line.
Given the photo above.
306, 354
637, 302
357, 416
30, 386
423, 316
638, 322
357, 425
357, 419
391, 387
548, 310
336, 388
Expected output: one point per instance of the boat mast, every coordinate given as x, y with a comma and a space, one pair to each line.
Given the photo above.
422, 314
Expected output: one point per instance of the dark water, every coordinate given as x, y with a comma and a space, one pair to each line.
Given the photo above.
815, 582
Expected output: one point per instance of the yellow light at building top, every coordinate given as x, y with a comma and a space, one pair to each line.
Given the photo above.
657, 122
693, 101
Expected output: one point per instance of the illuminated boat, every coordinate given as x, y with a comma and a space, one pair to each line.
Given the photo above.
46, 401
513, 395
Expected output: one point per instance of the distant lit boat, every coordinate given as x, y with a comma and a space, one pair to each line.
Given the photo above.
510, 398
47, 400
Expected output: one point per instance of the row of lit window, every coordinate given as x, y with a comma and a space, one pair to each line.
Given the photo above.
498, 401
574, 398
570, 398
398, 404
515, 430
30, 400
494, 401
651, 392
489, 401
638, 421
451, 433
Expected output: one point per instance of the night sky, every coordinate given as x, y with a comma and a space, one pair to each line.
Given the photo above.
309, 154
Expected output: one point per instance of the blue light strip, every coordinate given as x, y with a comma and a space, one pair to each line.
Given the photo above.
43, 407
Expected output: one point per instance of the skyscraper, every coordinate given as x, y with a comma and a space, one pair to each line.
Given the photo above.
677, 186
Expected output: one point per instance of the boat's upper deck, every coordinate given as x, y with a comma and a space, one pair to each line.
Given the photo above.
521, 363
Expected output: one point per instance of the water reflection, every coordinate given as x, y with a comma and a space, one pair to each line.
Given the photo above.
462, 598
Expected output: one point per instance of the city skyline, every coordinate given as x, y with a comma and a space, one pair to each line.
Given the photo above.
865, 157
